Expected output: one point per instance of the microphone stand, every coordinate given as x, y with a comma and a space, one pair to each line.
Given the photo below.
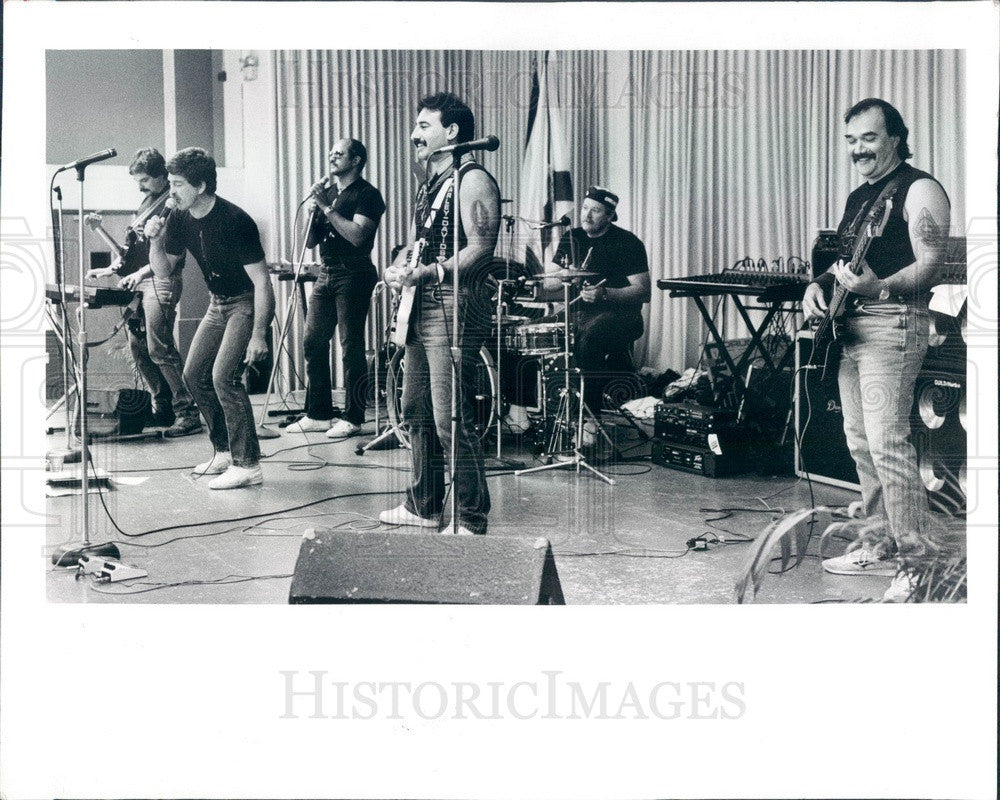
65, 557
456, 342
264, 432
69, 454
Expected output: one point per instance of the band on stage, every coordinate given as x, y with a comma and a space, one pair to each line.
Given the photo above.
458, 309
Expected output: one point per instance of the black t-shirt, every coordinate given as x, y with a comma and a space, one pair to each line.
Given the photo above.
137, 248
360, 197
890, 252
223, 241
616, 255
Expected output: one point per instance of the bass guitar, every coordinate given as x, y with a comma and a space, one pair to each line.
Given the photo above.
830, 327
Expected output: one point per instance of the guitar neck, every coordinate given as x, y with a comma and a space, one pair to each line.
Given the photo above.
117, 248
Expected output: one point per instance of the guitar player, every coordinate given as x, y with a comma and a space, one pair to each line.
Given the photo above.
885, 328
154, 353
444, 120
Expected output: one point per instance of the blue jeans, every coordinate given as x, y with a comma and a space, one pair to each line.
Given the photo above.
883, 347
214, 372
426, 411
155, 354
339, 300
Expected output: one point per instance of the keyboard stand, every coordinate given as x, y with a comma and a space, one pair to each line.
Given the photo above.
756, 346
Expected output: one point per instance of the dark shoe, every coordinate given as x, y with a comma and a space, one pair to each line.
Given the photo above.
183, 427
162, 418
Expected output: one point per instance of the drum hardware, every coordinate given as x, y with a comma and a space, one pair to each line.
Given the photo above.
484, 408
382, 436
563, 420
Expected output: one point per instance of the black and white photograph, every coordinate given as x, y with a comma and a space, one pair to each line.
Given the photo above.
683, 315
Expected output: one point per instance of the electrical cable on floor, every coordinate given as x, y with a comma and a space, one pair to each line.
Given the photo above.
226, 580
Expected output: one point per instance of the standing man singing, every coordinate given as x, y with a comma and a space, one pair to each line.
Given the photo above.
348, 213
233, 333
153, 350
885, 339
444, 120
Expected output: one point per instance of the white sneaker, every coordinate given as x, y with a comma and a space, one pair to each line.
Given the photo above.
589, 434
449, 530
400, 516
308, 425
343, 429
220, 463
861, 562
899, 591
238, 477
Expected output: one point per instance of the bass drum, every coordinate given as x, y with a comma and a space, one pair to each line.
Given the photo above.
484, 401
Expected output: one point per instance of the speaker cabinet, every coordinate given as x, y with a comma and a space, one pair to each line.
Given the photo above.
937, 423
820, 444
939, 437
374, 567
116, 412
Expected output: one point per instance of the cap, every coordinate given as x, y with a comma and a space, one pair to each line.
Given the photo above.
606, 198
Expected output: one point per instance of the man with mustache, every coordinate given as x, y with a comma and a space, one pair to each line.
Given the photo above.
153, 350
233, 333
344, 228
885, 338
443, 120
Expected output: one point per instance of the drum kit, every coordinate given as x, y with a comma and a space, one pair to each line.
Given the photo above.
527, 361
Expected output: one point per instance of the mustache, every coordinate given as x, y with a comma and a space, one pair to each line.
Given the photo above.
861, 156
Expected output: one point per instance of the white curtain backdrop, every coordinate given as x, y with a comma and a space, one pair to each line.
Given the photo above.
716, 155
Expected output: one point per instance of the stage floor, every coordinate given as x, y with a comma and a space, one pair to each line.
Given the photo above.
621, 544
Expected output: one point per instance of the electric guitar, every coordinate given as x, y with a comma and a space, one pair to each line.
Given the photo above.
830, 326
402, 309
125, 254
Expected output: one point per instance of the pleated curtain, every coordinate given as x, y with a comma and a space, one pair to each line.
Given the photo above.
717, 155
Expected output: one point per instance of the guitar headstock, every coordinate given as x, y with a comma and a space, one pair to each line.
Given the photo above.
93, 221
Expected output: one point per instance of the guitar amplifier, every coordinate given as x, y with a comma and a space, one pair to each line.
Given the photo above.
820, 444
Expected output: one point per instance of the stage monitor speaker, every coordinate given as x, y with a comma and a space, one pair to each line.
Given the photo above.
821, 448
375, 567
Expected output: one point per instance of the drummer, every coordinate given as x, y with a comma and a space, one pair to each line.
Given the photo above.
608, 312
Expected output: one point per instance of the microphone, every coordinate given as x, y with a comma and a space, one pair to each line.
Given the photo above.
326, 185
562, 222
80, 163
488, 143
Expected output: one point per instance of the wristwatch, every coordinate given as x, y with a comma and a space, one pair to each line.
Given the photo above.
884, 292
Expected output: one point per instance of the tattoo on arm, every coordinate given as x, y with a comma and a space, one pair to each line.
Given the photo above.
481, 218
928, 231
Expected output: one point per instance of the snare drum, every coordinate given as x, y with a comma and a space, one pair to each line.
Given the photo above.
537, 340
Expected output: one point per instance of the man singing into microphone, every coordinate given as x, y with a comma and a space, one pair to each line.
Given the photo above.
346, 216
444, 120
609, 309
153, 350
225, 241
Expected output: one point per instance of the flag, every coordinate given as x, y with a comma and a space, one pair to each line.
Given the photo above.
546, 183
